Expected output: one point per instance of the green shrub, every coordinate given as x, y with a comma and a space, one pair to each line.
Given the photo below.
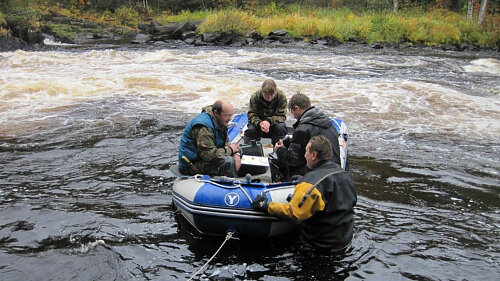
387, 28
443, 33
415, 25
3, 24
127, 16
268, 24
351, 27
325, 28
490, 39
231, 21
2, 19
307, 27
342, 31
269, 10
416, 30
21, 13
167, 17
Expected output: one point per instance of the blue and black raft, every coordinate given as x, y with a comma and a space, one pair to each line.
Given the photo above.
217, 205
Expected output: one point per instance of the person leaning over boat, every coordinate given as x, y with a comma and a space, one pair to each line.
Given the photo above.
206, 145
266, 113
290, 152
323, 201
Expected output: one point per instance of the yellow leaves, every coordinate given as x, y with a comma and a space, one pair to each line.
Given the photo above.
80, 2
386, 28
416, 31
269, 24
4, 31
350, 26
444, 34
431, 27
167, 17
232, 21
127, 16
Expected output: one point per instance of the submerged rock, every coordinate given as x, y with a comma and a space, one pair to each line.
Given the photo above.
141, 38
278, 33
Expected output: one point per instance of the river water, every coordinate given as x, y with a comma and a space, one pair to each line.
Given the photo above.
87, 137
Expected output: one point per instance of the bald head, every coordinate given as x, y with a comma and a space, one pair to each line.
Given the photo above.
223, 111
222, 105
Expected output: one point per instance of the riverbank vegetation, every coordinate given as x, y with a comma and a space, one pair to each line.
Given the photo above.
429, 22
433, 27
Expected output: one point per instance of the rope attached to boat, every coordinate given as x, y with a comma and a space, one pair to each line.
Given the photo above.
228, 236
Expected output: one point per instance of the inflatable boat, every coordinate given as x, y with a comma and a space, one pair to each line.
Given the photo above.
217, 205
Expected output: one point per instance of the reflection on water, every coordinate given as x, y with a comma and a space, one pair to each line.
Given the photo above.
87, 137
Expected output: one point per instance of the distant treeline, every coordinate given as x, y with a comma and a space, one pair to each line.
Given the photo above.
194, 5
429, 22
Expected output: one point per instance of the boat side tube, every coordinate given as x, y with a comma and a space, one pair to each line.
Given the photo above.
217, 206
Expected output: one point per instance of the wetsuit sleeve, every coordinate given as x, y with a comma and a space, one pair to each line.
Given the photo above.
312, 204
205, 141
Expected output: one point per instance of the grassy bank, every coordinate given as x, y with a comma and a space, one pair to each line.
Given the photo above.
436, 27
433, 27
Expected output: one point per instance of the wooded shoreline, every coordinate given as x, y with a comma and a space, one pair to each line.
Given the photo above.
267, 25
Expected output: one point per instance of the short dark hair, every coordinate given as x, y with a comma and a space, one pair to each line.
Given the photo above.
321, 145
269, 86
300, 100
217, 106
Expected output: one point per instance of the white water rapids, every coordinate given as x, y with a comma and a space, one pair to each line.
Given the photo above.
39, 85
386, 98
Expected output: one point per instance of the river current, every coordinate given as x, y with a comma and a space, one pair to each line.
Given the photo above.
87, 137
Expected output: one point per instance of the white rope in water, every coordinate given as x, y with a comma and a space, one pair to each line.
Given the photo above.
228, 236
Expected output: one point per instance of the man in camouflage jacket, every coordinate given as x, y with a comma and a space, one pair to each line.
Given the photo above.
205, 147
266, 113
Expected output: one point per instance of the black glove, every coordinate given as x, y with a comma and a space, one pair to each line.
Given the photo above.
296, 178
286, 141
260, 203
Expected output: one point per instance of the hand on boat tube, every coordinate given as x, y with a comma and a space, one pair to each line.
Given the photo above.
260, 203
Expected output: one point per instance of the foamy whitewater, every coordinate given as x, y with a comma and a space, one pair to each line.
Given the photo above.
367, 91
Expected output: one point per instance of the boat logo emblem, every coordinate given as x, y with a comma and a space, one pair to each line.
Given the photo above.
232, 199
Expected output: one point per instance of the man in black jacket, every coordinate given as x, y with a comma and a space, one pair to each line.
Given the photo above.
323, 201
290, 153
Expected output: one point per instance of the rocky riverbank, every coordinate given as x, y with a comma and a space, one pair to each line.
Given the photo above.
58, 28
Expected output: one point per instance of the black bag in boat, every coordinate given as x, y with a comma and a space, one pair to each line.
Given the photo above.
254, 148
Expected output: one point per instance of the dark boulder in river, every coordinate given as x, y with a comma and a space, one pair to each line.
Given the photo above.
10, 43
